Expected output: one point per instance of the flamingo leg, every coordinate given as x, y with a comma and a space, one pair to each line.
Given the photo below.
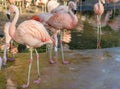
99, 31
62, 52
50, 55
38, 68
55, 49
5, 55
47, 49
30, 65
56, 46
45, 7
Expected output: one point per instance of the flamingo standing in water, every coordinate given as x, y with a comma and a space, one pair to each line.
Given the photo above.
30, 33
99, 10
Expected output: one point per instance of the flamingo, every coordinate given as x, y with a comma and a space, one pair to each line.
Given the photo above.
30, 33
99, 10
7, 41
63, 20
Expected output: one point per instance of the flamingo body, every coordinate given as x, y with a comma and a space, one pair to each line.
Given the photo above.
98, 8
62, 21
31, 33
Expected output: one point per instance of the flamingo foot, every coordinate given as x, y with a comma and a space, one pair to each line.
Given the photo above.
25, 85
52, 62
65, 62
37, 81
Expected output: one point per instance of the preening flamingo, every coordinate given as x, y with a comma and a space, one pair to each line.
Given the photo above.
99, 10
30, 33
63, 20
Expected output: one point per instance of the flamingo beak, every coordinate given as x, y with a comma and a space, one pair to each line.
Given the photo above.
74, 11
8, 14
103, 4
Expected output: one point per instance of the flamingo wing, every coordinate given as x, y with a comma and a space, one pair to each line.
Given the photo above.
34, 29
60, 21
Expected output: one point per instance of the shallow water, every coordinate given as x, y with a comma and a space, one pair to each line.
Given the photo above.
88, 69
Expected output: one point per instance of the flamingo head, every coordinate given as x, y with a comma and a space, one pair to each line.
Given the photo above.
102, 1
72, 6
12, 9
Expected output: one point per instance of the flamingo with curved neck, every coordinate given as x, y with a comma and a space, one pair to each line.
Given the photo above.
32, 34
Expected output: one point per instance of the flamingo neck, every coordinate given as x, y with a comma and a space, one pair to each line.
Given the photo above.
74, 18
13, 23
99, 2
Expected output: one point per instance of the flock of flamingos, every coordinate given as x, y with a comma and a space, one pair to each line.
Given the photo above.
34, 32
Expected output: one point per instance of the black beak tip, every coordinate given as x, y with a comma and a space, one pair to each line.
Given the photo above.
75, 11
103, 4
8, 16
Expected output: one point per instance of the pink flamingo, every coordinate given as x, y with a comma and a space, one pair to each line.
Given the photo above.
30, 33
63, 20
99, 10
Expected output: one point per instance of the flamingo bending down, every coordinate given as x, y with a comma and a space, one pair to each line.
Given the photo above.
99, 10
30, 33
